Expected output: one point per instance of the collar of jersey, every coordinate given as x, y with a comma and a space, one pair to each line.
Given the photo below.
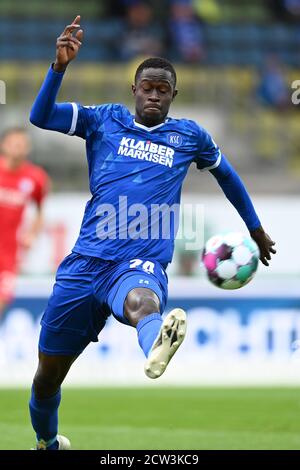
126, 119
149, 129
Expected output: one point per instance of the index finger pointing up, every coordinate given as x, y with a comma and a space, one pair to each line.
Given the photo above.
77, 20
72, 27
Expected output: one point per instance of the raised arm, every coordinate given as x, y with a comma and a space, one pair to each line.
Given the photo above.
45, 113
237, 194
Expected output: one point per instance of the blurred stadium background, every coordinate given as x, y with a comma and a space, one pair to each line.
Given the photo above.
236, 62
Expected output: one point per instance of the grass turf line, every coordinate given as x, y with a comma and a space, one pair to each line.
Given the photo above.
162, 418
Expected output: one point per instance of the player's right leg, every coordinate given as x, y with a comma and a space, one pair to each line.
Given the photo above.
58, 349
45, 400
70, 322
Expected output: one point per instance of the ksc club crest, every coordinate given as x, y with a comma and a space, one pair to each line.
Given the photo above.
174, 139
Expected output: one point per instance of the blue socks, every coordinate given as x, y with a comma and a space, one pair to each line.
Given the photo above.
44, 413
44, 418
147, 330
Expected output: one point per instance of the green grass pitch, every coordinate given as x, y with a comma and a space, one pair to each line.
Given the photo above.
163, 418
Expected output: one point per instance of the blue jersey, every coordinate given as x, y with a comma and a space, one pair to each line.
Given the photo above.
128, 230
136, 174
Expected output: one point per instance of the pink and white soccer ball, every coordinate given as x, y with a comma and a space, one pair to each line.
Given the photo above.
230, 260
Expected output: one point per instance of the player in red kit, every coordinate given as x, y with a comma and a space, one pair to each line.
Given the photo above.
21, 182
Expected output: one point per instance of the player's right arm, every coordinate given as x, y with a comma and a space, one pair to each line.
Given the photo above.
45, 113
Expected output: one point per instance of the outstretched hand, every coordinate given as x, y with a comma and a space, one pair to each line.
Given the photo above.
67, 45
265, 244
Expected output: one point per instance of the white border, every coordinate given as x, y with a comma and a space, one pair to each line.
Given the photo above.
149, 129
74, 119
215, 165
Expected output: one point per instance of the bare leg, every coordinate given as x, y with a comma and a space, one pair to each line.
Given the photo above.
50, 374
45, 399
139, 303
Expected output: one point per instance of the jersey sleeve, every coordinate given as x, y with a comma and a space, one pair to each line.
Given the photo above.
45, 112
208, 153
87, 119
68, 118
236, 192
41, 186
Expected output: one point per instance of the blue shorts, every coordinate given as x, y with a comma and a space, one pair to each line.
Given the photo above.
87, 290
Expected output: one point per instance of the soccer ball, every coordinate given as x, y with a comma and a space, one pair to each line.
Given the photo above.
230, 259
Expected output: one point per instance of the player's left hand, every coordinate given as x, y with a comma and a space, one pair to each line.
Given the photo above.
265, 244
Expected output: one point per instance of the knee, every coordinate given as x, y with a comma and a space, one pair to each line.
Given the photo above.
139, 303
46, 382
44, 388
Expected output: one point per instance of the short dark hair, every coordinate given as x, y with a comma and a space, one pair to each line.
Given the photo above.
156, 63
12, 130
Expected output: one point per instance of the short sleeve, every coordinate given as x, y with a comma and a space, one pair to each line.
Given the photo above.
41, 185
209, 155
87, 119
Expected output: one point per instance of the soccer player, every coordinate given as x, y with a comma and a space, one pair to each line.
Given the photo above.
21, 182
118, 265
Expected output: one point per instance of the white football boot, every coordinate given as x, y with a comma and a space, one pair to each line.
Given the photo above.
169, 338
63, 444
